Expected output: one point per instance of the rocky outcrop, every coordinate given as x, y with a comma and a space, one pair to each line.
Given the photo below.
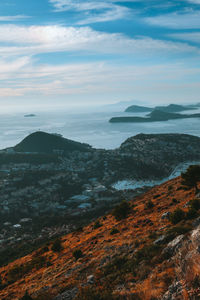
185, 256
173, 246
67, 295
174, 292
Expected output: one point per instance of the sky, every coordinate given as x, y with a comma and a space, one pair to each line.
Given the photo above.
87, 53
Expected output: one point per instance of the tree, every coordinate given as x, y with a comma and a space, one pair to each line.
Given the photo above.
26, 297
177, 216
77, 254
121, 211
57, 246
191, 177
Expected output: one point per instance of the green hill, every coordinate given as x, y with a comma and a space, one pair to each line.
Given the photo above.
43, 142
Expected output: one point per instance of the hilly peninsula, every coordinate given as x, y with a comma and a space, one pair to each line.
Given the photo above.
154, 116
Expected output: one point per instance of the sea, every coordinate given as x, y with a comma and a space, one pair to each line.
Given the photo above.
90, 127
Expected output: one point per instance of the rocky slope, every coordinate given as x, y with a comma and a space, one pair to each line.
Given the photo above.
142, 256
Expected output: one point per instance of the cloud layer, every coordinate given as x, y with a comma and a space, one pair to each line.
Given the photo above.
95, 48
31, 40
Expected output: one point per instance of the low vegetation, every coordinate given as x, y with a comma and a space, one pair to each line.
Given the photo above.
19, 271
57, 246
77, 254
114, 231
97, 224
177, 216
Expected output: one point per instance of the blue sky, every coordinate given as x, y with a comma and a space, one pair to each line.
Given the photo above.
62, 52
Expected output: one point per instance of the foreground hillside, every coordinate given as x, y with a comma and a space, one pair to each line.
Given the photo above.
142, 255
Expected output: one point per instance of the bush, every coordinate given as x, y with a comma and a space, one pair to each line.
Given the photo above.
26, 297
38, 262
121, 211
196, 282
19, 271
177, 216
77, 254
97, 224
191, 177
57, 246
114, 231
149, 204
191, 213
174, 200
195, 204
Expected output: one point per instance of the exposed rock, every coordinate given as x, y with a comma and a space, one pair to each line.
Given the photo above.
198, 195
173, 246
196, 222
104, 260
174, 292
90, 279
67, 295
166, 215
160, 240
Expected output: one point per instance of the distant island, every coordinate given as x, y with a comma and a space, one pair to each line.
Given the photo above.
154, 116
29, 115
171, 108
138, 109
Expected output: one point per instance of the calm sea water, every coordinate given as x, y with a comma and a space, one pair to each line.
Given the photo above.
92, 128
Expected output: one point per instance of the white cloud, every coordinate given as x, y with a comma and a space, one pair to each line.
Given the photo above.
24, 78
190, 20
12, 18
194, 1
187, 36
33, 40
93, 11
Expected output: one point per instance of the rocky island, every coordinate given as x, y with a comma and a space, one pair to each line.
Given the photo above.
171, 108
29, 115
155, 116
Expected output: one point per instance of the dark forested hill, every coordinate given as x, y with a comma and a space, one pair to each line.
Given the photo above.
47, 143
